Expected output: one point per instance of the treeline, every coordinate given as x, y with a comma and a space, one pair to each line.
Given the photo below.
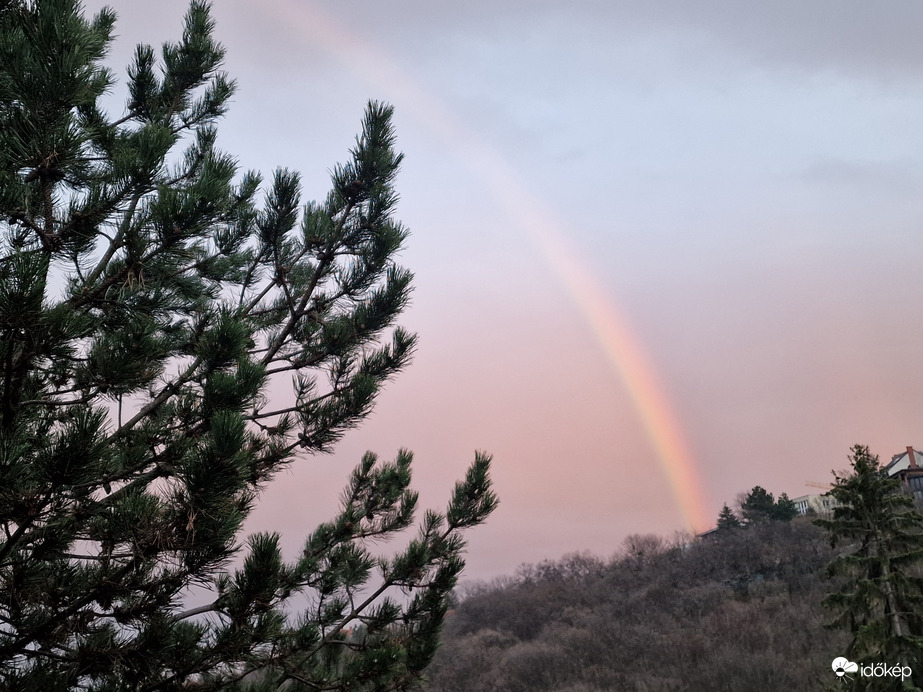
739, 610
758, 505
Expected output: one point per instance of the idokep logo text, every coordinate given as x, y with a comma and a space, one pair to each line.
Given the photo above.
842, 667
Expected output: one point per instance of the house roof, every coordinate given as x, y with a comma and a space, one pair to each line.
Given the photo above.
901, 461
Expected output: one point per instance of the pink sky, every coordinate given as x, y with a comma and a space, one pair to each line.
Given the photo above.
739, 190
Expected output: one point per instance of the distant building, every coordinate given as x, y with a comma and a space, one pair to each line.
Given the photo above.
907, 467
711, 533
821, 505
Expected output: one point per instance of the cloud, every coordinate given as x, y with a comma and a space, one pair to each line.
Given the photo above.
869, 40
896, 176
854, 37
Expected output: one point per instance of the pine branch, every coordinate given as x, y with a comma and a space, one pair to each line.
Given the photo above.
184, 299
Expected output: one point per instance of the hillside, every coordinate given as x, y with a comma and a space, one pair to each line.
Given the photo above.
736, 611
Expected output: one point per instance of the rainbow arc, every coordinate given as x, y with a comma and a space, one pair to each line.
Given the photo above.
622, 347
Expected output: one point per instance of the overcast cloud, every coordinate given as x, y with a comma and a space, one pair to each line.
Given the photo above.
741, 179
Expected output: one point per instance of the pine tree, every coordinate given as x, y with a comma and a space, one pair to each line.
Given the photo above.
148, 301
881, 598
758, 505
727, 519
784, 509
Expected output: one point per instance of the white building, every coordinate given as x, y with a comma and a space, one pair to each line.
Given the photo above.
821, 505
907, 467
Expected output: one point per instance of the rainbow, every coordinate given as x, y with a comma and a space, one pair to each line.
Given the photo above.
623, 349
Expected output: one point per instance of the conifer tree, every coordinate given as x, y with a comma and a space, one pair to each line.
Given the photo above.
727, 519
784, 509
150, 294
758, 505
881, 598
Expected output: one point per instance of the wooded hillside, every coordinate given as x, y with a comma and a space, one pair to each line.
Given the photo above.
739, 610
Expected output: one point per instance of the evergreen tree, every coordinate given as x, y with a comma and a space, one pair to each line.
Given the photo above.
148, 301
881, 598
727, 519
784, 509
759, 505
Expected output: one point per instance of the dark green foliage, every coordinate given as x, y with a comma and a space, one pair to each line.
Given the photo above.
727, 519
739, 612
759, 505
149, 298
785, 509
880, 601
